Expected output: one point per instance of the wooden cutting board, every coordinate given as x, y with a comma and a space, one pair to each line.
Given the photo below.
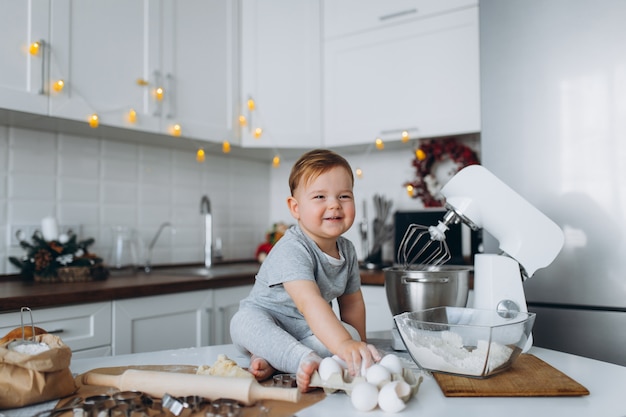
528, 377
276, 408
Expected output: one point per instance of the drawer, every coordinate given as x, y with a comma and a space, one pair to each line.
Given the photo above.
82, 326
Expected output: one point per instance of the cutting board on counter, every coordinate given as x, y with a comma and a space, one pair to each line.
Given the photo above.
528, 377
276, 408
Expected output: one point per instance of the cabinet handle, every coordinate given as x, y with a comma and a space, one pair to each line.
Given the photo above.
397, 14
157, 85
43, 45
171, 99
56, 331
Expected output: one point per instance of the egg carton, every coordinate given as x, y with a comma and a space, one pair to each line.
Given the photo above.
345, 382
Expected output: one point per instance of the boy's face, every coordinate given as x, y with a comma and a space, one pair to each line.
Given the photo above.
324, 207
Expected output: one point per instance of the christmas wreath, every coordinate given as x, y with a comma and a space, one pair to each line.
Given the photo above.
425, 186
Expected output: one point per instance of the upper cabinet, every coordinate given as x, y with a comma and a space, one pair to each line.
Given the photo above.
281, 73
157, 66
23, 75
412, 67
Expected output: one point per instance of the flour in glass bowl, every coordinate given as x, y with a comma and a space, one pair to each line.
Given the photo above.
30, 348
446, 353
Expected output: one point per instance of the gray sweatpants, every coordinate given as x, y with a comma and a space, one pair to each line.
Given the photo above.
282, 343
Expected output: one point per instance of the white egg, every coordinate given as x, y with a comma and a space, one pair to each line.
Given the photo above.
392, 363
364, 396
328, 366
340, 361
377, 375
389, 396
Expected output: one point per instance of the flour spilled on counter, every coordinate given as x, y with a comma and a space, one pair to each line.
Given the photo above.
447, 353
31, 348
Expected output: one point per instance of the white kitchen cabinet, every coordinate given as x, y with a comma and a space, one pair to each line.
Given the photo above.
85, 328
420, 75
226, 304
171, 321
347, 17
114, 54
281, 72
23, 76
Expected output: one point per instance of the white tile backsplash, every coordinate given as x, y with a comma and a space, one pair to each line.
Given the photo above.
98, 183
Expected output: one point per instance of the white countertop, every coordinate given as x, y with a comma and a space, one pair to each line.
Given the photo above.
605, 382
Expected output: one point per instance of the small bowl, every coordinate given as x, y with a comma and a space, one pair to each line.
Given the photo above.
464, 341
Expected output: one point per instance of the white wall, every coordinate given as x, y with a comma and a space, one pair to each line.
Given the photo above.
98, 183
384, 172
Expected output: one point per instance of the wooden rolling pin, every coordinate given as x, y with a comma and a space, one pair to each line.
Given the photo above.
158, 383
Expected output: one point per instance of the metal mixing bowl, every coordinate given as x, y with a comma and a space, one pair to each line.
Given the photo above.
414, 289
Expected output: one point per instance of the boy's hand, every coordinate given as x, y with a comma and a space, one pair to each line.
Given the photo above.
358, 355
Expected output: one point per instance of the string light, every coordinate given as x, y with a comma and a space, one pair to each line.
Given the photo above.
131, 116
251, 104
410, 190
58, 85
94, 121
258, 132
200, 156
405, 136
226, 146
34, 47
158, 93
276, 161
142, 82
243, 121
176, 130
420, 154
380, 145
359, 173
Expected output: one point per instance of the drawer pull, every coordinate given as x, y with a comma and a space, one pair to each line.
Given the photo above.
56, 331
397, 14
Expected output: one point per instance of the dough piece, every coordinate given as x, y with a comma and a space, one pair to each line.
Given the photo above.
224, 366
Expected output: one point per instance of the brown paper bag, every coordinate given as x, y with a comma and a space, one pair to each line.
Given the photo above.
29, 379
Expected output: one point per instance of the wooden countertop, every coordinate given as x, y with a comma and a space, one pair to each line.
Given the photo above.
15, 293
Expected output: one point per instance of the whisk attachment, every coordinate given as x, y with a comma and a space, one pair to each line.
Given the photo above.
424, 247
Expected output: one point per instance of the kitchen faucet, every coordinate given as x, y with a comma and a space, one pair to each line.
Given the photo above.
148, 267
205, 210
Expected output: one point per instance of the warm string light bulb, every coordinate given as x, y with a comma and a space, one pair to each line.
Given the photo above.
410, 190
131, 116
94, 121
420, 154
58, 85
380, 145
34, 48
226, 146
243, 121
405, 136
176, 130
258, 132
276, 161
359, 173
200, 155
251, 104
159, 93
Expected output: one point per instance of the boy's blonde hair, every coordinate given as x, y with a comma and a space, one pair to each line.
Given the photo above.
314, 163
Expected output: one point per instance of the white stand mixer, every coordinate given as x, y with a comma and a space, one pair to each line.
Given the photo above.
528, 239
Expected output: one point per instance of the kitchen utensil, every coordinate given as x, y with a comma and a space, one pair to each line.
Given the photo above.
126, 248
464, 341
23, 340
528, 239
423, 247
157, 384
417, 289
529, 376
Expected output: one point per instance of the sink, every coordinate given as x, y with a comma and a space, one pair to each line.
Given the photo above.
213, 272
